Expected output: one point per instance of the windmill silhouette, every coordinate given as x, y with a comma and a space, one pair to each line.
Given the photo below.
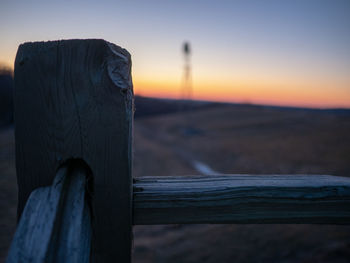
186, 87
186, 91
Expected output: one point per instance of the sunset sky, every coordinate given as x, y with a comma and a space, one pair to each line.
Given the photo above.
294, 53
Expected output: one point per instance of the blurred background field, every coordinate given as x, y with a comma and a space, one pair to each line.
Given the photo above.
227, 138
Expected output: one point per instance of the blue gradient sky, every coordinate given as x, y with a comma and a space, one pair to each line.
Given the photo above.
271, 52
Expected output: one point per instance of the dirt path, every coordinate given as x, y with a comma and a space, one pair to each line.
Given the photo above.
183, 154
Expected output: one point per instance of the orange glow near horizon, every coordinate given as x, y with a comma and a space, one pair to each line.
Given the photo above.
297, 95
259, 89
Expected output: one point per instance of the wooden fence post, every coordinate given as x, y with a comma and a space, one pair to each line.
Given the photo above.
74, 100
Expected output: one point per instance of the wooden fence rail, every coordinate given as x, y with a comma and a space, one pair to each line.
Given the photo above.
216, 199
55, 225
73, 130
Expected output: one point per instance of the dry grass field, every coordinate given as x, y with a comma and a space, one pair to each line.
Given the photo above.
243, 139
228, 139
246, 139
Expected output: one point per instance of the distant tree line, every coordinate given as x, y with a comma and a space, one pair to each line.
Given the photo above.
6, 96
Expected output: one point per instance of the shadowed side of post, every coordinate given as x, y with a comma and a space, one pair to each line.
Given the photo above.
74, 99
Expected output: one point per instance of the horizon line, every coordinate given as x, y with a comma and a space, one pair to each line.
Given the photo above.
276, 105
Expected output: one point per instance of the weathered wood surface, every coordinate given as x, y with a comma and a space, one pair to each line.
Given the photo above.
74, 99
319, 199
55, 225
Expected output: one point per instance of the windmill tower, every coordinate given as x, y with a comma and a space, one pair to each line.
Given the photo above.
186, 87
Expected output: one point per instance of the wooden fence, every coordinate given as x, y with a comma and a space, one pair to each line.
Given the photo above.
77, 198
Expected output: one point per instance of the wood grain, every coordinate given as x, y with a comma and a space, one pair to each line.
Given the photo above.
74, 99
55, 225
306, 199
